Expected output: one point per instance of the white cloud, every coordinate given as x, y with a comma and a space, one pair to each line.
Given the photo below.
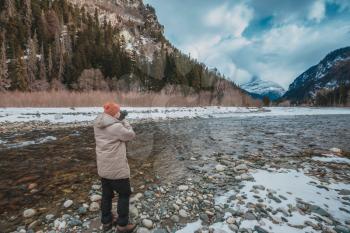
317, 11
216, 51
233, 19
279, 51
283, 53
279, 54
286, 39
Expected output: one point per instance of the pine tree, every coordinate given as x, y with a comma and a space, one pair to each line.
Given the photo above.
20, 72
50, 64
61, 64
42, 27
10, 8
28, 17
32, 65
4, 77
266, 101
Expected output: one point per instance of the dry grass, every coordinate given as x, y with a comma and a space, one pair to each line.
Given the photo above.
135, 99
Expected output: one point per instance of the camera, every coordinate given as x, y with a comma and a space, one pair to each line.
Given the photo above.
123, 114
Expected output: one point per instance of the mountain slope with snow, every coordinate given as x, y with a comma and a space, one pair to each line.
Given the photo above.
259, 87
331, 76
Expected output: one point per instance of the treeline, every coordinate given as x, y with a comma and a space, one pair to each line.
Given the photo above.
339, 96
50, 44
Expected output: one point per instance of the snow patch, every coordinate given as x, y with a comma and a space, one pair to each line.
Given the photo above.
191, 227
28, 143
331, 159
71, 115
292, 185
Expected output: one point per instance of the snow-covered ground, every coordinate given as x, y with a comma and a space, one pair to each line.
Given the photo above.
291, 187
67, 115
331, 159
28, 143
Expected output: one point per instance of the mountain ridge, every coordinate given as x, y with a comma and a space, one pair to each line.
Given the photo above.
97, 45
261, 88
330, 75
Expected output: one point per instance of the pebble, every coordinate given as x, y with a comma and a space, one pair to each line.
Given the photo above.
176, 207
233, 227
96, 187
49, 217
94, 206
249, 216
318, 210
175, 218
67, 203
134, 211
183, 213
136, 197
95, 197
261, 187
204, 218
29, 213
160, 230
183, 187
220, 167
60, 224
209, 213
147, 223
143, 230
82, 210
33, 224
74, 222
344, 192
260, 229
341, 229
246, 177
241, 167
32, 186
230, 220
336, 150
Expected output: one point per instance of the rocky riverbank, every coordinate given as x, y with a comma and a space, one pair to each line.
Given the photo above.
186, 182
225, 196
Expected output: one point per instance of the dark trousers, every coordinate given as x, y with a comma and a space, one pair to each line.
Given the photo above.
122, 187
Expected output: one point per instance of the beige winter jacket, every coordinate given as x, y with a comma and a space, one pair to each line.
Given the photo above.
111, 135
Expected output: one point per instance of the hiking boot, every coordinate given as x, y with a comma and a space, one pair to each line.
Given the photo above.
126, 229
109, 226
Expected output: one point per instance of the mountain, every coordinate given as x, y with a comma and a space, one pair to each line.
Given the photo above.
327, 83
261, 88
85, 45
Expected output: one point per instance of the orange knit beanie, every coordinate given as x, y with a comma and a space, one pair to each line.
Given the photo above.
111, 108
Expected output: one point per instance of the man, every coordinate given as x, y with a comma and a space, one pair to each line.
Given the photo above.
111, 133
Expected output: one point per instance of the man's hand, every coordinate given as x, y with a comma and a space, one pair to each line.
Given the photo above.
123, 114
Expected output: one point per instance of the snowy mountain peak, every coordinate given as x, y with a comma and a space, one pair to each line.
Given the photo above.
327, 76
263, 88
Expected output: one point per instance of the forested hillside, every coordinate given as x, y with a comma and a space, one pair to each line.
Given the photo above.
324, 84
95, 45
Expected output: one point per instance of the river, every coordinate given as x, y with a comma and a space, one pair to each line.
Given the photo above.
59, 162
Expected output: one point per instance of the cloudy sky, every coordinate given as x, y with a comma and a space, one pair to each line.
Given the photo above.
275, 40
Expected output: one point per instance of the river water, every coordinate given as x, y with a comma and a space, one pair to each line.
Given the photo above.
60, 161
